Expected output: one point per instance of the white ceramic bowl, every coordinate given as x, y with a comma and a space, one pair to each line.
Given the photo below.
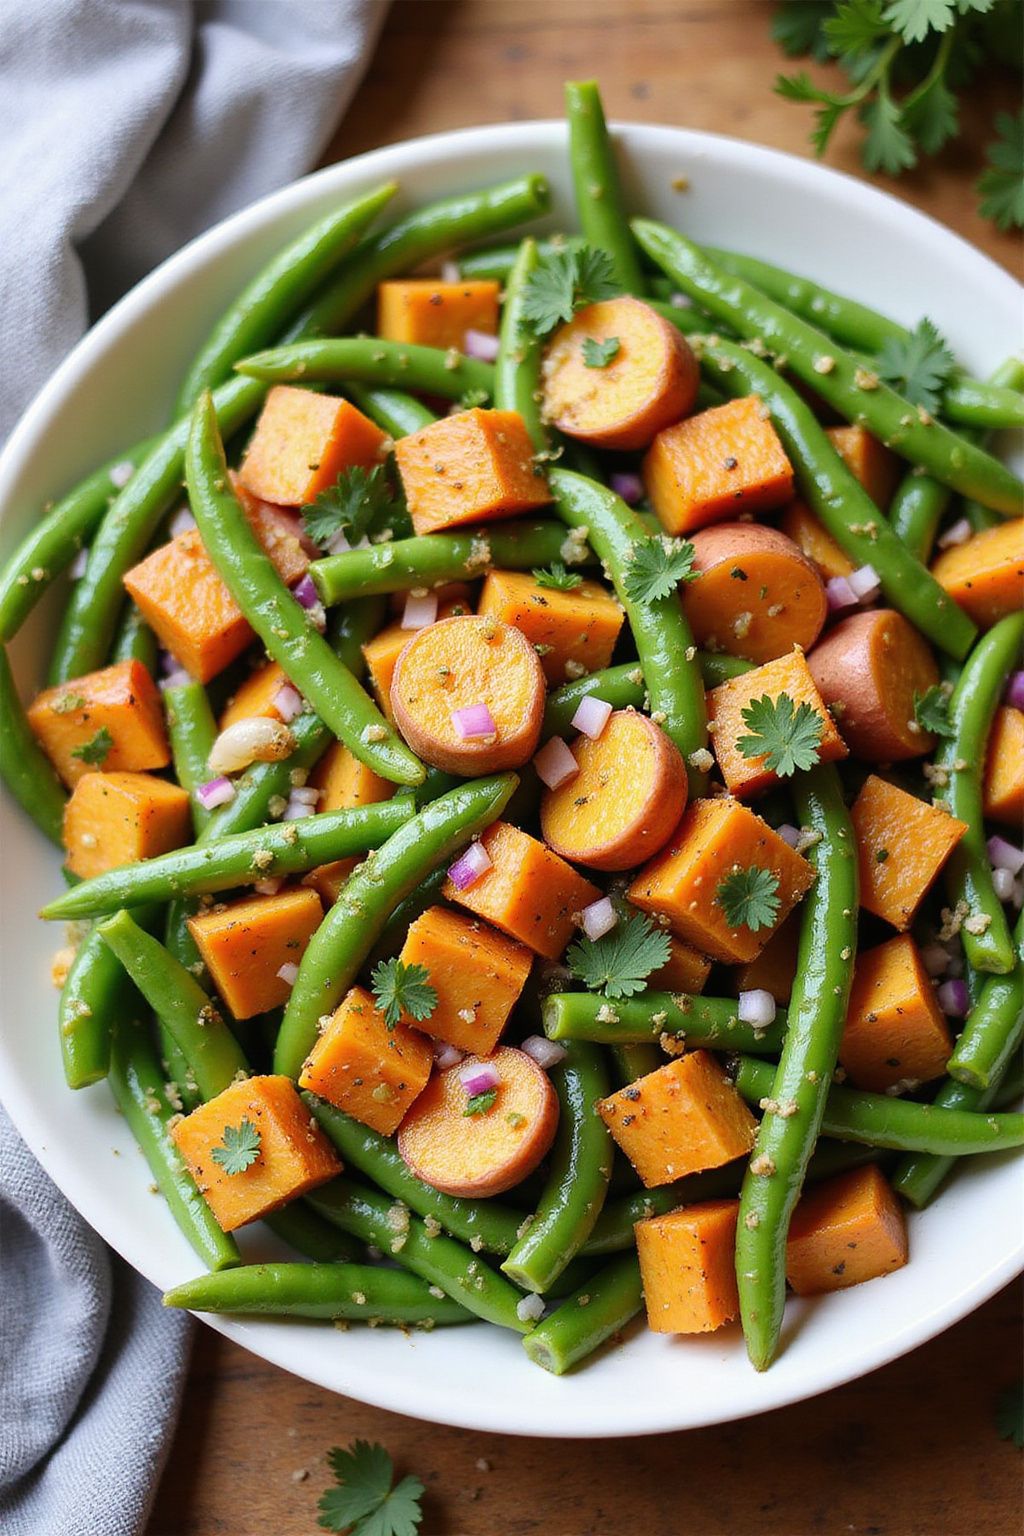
117, 386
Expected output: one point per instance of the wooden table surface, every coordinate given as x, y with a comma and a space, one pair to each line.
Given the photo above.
910, 1449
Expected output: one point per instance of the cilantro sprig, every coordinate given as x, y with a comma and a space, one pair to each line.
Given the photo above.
563, 282
357, 500
480, 1103
919, 367
598, 354
787, 737
96, 751
620, 962
749, 898
239, 1148
1002, 185
558, 577
656, 566
931, 711
367, 1501
403, 989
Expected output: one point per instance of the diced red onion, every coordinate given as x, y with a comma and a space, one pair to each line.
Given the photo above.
1003, 884
167, 662
789, 833
446, 1055
450, 272
935, 959
305, 794
957, 533
598, 918
339, 544
288, 972
531, 1309
76, 570
420, 610
296, 809
218, 791
481, 345
288, 703
181, 522
840, 594
954, 999
268, 887
121, 473
476, 861
546, 1053
591, 716
479, 1077
555, 763
474, 721
756, 1007
305, 592
179, 678
865, 583
1003, 855
1014, 694
681, 301
629, 487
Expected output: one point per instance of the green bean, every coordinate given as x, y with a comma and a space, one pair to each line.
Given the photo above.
495, 262
371, 360
517, 384
663, 640
192, 730
141, 1095
599, 201
836, 497
219, 864
600, 1308
399, 414
289, 280
285, 628
919, 1175
134, 640
418, 236
577, 1183
700, 1021
440, 1260
24, 766
1011, 1089
623, 688
993, 1029
357, 1293
349, 628
634, 1060
298, 1225
838, 378
350, 929
95, 994
799, 1085
985, 933
720, 667
984, 407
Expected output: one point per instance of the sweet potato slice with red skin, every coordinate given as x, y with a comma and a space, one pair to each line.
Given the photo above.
755, 594
868, 669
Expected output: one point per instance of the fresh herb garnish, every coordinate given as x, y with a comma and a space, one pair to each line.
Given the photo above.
620, 962
350, 506
931, 711
367, 1500
598, 354
1010, 1414
1002, 185
919, 367
749, 898
785, 737
558, 577
656, 566
472, 399
563, 282
239, 1149
480, 1103
96, 751
403, 989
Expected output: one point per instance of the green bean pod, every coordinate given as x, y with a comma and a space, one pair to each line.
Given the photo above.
24, 766
354, 923
623, 688
599, 201
495, 262
358, 1293
134, 640
919, 1175
585, 1320
298, 1225
635, 1059
517, 385
192, 729
700, 1021
398, 413
96, 993
371, 360
993, 1028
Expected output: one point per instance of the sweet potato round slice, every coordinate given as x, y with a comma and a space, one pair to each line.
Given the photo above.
868, 669
649, 383
486, 1153
626, 800
756, 594
459, 665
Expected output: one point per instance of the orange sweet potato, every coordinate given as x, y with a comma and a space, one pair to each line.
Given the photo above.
371, 1072
895, 1031
572, 632
986, 575
528, 892
246, 943
799, 523
303, 441
688, 1267
648, 384
1004, 768
755, 594
902, 844
294, 1155
845, 1230
432, 313
680, 1119
789, 675
473, 467
257, 695
774, 969
382, 652
684, 971
482, 1154
122, 701
121, 818
476, 972
626, 800
875, 466
868, 670
454, 666
343, 782
713, 466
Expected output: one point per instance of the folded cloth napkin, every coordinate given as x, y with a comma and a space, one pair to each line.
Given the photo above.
130, 126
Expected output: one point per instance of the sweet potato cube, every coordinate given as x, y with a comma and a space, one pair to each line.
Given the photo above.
122, 818
895, 1031
437, 314
688, 1267
121, 701
716, 465
812, 539
986, 574
845, 1230
371, 1072
714, 839
683, 1118
902, 843
790, 675
573, 632
528, 892
246, 943
869, 461
303, 441
1004, 768
343, 782
477, 974
473, 467
293, 1154
774, 969
684, 971
256, 696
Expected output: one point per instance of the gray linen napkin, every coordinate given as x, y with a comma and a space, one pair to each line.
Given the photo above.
129, 127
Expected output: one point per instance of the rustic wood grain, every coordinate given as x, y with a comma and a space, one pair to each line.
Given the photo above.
908, 1451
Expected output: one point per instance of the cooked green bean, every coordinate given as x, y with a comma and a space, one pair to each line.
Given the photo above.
371, 360
134, 640
95, 994
596, 185
298, 1225
399, 414
993, 1028
192, 729
585, 1320
358, 1293
700, 1021
495, 262
24, 766
623, 688
634, 1060
517, 368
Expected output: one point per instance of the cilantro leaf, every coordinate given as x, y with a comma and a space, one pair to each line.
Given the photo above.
785, 737
914, 19
1002, 185
919, 367
480, 1103
350, 506
797, 28
1010, 1414
931, 711
856, 26
888, 147
799, 87
471, 399
932, 114
558, 577
367, 1501
403, 989
656, 566
96, 751
749, 898
598, 354
563, 282
620, 962
239, 1149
